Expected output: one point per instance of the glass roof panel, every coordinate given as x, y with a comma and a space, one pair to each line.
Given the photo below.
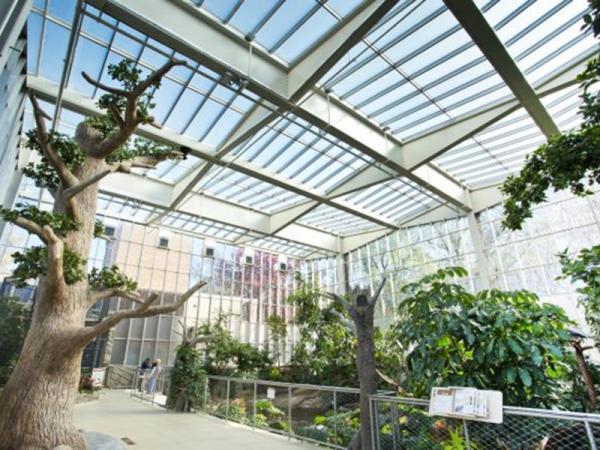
286, 28
419, 69
543, 38
398, 199
302, 153
500, 150
335, 221
241, 189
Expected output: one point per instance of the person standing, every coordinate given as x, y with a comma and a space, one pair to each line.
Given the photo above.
151, 384
142, 372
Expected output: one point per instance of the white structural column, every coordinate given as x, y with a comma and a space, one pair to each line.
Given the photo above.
13, 47
342, 272
482, 261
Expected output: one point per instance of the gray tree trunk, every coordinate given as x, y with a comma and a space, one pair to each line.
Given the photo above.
37, 403
362, 312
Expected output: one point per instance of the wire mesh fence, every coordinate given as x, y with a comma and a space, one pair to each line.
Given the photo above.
322, 414
403, 424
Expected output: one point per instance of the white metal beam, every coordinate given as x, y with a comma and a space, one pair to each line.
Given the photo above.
186, 30
159, 194
475, 24
299, 81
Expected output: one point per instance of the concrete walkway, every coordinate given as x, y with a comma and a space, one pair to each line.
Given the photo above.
152, 428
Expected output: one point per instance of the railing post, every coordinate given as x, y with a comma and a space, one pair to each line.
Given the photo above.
466, 431
590, 434
289, 412
205, 399
134, 383
374, 427
335, 418
254, 407
227, 401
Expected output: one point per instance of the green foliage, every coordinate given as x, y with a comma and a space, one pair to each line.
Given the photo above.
33, 263
128, 76
188, 380
269, 416
457, 441
14, 323
143, 147
226, 355
567, 161
585, 268
42, 172
111, 277
277, 333
507, 341
60, 223
324, 354
98, 229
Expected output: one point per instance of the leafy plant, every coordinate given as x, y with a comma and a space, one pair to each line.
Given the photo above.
15, 317
585, 268
507, 341
226, 355
187, 388
277, 334
568, 161
324, 353
457, 441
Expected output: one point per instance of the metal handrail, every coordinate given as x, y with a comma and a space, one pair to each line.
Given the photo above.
512, 410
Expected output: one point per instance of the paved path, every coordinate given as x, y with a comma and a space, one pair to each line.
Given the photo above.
152, 428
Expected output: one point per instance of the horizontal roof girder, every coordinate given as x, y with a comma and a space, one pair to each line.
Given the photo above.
86, 106
300, 80
158, 194
475, 24
416, 152
183, 31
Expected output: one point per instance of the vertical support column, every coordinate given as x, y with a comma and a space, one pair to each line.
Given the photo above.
290, 431
476, 237
341, 273
13, 56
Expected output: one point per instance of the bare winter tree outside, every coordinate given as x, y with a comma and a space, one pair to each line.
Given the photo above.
37, 403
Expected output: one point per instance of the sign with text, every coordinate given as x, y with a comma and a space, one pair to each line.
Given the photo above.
271, 393
466, 403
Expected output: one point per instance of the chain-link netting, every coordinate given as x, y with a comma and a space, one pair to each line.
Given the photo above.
405, 425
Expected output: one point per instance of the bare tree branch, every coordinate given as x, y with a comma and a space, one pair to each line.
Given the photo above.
145, 309
156, 76
74, 190
31, 227
64, 174
97, 295
131, 119
105, 87
377, 293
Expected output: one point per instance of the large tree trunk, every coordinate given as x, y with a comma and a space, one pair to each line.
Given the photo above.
367, 374
37, 403
362, 312
36, 410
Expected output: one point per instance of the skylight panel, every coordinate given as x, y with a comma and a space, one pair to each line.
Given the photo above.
500, 150
543, 38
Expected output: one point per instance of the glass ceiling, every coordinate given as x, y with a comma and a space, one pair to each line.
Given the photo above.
415, 71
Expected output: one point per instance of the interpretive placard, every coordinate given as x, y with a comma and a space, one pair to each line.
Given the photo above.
466, 403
